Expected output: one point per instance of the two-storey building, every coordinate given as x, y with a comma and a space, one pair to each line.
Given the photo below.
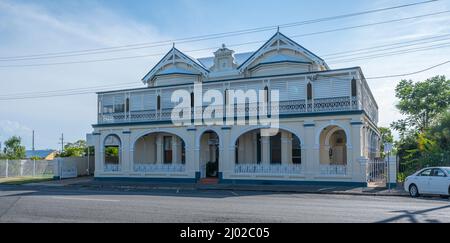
327, 121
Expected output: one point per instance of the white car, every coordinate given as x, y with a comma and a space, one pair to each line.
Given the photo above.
433, 181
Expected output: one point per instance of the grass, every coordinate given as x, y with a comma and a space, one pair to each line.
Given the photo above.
24, 180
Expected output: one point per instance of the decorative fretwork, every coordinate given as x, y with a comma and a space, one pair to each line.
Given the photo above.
112, 168
333, 169
332, 104
268, 169
148, 168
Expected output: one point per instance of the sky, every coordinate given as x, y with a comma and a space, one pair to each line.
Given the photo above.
48, 26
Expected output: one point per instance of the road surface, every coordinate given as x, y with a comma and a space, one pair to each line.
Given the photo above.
46, 204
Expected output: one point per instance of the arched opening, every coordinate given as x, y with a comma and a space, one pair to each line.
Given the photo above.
354, 87
333, 150
159, 152
309, 92
209, 154
158, 103
278, 154
112, 153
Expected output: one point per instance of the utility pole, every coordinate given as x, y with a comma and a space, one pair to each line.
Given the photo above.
62, 142
32, 142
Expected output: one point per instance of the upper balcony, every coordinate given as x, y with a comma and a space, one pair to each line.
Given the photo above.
307, 93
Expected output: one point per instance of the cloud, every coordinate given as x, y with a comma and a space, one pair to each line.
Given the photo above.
13, 128
28, 28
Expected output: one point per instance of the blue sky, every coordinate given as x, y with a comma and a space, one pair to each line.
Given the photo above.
33, 27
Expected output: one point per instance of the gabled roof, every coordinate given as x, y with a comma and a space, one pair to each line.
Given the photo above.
170, 58
290, 44
38, 153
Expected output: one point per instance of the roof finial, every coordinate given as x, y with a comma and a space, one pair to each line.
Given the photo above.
278, 29
223, 46
173, 44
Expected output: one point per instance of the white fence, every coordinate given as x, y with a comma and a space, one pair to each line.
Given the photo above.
16, 168
73, 167
265, 169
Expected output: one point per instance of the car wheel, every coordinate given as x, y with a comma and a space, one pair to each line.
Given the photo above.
413, 191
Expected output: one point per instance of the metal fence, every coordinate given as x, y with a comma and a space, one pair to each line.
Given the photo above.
17, 168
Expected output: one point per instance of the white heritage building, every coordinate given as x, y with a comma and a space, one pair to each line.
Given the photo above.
327, 121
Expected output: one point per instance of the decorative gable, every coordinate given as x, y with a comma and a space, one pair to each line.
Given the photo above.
281, 50
175, 64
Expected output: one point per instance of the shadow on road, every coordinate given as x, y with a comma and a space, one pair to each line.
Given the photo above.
411, 216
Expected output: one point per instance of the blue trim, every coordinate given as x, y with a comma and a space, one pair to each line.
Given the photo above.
96, 134
356, 123
220, 176
192, 129
197, 176
309, 125
235, 79
393, 185
303, 183
226, 128
143, 79
188, 74
278, 62
335, 113
134, 179
126, 132
56, 178
273, 37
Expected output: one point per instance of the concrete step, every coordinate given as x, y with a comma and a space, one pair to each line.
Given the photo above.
209, 181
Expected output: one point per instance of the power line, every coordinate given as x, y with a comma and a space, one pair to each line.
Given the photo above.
159, 54
89, 90
406, 51
409, 74
198, 38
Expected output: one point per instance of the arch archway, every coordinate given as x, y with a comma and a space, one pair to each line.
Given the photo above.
159, 151
112, 150
333, 146
283, 148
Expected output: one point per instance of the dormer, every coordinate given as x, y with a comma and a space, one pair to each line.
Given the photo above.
223, 60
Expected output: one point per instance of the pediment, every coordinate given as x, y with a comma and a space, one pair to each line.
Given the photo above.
279, 49
175, 63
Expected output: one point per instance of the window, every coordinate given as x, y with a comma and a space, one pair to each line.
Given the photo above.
266, 94
296, 150
353, 87
226, 97
438, 173
158, 102
275, 149
309, 92
425, 173
127, 105
167, 149
192, 100
119, 107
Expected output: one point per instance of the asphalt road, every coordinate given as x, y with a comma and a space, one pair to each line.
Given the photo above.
44, 204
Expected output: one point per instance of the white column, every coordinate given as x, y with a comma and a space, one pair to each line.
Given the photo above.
159, 149
265, 149
285, 141
176, 150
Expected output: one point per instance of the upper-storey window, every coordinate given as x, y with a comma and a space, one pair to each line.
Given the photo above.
158, 102
309, 92
266, 94
354, 87
225, 97
192, 100
127, 105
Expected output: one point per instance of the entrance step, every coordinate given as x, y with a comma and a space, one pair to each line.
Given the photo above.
209, 181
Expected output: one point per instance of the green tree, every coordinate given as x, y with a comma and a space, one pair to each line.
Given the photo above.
14, 149
421, 102
77, 149
386, 137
